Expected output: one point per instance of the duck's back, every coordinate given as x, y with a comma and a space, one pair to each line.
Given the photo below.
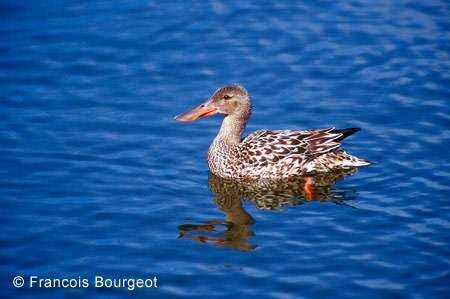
283, 153
287, 153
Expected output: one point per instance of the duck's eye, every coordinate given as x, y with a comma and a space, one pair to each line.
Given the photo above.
227, 97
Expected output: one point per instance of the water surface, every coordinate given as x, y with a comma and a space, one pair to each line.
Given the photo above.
98, 179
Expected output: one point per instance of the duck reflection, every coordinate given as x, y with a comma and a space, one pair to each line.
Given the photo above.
235, 231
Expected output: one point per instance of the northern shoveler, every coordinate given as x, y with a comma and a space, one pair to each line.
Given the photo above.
267, 154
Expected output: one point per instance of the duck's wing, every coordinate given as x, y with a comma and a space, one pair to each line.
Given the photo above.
272, 146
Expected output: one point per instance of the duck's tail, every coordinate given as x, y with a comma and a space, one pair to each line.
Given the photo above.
345, 132
355, 161
350, 160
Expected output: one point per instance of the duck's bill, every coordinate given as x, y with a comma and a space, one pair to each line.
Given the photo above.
203, 110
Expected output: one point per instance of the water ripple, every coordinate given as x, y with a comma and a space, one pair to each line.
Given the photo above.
97, 177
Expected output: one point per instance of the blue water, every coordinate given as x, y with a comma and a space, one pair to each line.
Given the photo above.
98, 179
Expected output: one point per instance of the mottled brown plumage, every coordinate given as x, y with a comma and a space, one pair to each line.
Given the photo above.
267, 154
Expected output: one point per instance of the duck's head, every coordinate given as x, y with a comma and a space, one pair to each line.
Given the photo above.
231, 100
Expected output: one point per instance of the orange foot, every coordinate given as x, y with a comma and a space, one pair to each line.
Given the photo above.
309, 188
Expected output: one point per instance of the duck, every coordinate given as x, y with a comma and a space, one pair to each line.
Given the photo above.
267, 154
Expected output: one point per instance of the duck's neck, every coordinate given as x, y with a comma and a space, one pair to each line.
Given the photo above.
231, 130
233, 126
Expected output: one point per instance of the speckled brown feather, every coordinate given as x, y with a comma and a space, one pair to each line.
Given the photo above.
280, 154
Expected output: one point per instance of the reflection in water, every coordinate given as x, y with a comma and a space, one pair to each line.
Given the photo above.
235, 230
